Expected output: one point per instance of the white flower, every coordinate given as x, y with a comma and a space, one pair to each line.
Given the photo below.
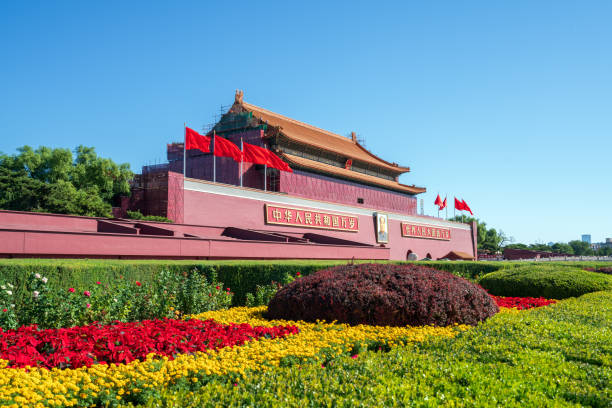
9, 292
37, 275
10, 286
35, 293
115, 299
44, 280
12, 305
3, 287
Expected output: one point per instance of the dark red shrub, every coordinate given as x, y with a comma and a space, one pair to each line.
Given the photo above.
602, 269
383, 294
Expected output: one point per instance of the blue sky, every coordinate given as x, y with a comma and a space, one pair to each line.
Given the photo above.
506, 104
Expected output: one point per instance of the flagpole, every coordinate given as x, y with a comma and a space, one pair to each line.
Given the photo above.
184, 152
214, 158
265, 177
241, 159
446, 208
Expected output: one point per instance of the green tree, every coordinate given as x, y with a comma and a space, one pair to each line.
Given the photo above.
581, 248
562, 248
517, 246
50, 180
540, 247
488, 239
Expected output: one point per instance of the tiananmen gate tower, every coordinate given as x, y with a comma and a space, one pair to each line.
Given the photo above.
340, 201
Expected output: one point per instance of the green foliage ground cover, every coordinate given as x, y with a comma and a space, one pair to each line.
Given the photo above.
549, 281
555, 356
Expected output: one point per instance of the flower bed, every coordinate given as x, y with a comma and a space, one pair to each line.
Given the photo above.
521, 303
124, 342
102, 384
159, 355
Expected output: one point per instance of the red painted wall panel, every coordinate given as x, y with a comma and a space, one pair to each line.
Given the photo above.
319, 187
215, 209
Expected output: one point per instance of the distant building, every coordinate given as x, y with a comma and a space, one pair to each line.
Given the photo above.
586, 238
598, 245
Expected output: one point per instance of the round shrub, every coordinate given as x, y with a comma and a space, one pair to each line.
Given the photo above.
384, 295
548, 281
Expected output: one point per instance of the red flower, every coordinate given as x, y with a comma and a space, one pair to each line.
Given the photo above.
522, 302
71, 290
87, 293
5, 310
228, 289
125, 342
354, 356
217, 287
88, 305
138, 283
298, 274
98, 283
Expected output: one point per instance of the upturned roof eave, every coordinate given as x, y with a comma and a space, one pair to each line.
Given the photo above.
373, 159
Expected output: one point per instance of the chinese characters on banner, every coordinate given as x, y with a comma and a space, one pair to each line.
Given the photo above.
425, 231
297, 217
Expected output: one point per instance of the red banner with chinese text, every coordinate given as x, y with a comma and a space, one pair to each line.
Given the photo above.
298, 217
425, 231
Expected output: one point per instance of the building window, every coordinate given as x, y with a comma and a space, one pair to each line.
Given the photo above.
359, 200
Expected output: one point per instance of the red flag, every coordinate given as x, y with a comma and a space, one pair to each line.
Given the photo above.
466, 207
443, 206
438, 202
225, 148
276, 162
459, 205
194, 140
259, 155
254, 154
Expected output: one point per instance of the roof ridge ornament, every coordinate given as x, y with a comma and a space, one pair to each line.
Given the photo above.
238, 98
354, 137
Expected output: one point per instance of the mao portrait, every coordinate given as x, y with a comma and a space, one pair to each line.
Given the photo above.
382, 228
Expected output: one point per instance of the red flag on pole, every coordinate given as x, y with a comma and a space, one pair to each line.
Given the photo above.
443, 206
259, 155
277, 163
225, 148
459, 205
194, 140
466, 207
254, 154
438, 202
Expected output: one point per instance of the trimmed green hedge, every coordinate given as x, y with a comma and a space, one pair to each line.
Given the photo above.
549, 281
554, 356
241, 276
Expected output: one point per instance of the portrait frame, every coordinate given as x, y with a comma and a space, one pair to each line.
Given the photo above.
382, 227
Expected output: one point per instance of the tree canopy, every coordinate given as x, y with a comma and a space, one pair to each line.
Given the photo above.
489, 239
54, 180
575, 247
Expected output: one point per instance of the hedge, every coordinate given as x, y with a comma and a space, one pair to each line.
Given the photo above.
554, 356
549, 281
241, 276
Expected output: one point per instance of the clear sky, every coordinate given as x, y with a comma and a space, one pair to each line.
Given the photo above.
506, 104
